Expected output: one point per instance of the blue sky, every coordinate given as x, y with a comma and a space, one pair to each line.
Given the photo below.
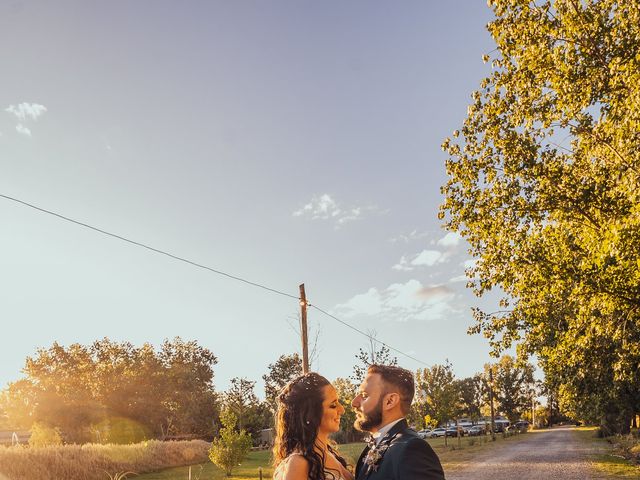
283, 142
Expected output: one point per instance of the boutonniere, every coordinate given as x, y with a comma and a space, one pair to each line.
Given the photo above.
376, 452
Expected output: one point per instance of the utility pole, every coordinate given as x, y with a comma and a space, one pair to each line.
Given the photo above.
533, 409
303, 330
493, 413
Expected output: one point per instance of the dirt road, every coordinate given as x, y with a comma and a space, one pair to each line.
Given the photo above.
543, 455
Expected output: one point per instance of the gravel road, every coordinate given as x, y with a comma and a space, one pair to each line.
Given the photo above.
543, 455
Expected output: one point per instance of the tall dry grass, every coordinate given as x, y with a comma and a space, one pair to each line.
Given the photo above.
97, 462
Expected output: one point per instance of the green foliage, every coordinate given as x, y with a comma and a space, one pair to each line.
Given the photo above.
231, 447
430, 422
241, 399
472, 396
285, 369
346, 391
78, 388
252, 415
544, 183
437, 393
512, 386
44, 436
376, 354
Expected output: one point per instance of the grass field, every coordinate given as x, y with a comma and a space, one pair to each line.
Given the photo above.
607, 463
452, 457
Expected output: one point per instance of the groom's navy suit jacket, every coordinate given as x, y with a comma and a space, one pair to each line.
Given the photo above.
408, 457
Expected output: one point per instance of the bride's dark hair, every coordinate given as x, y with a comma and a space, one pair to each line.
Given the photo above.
297, 421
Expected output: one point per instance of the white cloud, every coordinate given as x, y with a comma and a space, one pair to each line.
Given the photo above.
401, 302
369, 303
414, 235
25, 111
403, 265
451, 239
23, 130
459, 278
324, 207
426, 258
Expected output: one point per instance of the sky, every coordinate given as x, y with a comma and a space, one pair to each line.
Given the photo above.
283, 142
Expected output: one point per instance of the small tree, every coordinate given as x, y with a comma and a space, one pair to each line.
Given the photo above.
231, 447
376, 354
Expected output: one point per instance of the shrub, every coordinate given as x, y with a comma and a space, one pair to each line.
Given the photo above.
231, 448
44, 436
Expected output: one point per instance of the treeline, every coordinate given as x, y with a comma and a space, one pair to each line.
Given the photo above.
441, 397
115, 392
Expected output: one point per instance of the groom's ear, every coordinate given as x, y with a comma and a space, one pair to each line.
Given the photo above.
391, 400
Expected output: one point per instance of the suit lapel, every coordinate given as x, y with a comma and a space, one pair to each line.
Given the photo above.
360, 466
362, 470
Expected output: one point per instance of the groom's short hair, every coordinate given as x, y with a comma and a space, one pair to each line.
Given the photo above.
400, 379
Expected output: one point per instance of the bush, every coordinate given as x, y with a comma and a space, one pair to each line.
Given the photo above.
44, 436
232, 447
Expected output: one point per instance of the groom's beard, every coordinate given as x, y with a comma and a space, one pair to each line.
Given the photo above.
370, 420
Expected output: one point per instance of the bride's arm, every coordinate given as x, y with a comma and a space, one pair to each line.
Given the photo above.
297, 468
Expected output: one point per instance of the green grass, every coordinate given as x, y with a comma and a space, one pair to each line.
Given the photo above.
451, 456
249, 469
606, 463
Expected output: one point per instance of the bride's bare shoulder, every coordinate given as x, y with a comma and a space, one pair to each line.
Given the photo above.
296, 468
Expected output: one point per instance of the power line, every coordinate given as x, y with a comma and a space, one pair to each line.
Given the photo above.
367, 335
199, 265
157, 250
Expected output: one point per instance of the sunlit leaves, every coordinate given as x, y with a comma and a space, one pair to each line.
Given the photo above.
544, 183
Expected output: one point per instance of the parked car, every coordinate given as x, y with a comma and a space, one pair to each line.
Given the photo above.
437, 432
522, 426
453, 432
477, 430
424, 433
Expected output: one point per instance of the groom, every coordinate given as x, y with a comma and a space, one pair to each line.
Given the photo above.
395, 452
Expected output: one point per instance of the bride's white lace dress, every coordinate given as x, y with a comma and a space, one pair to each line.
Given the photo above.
281, 471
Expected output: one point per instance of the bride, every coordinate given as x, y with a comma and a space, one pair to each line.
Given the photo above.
308, 411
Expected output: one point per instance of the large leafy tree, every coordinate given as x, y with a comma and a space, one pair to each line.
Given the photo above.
281, 372
544, 183
512, 386
472, 392
241, 400
437, 393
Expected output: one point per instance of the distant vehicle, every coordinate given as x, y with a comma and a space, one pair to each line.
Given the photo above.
521, 426
453, 432
437, 432
477, 430
424, 433
501, 426
465, 425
